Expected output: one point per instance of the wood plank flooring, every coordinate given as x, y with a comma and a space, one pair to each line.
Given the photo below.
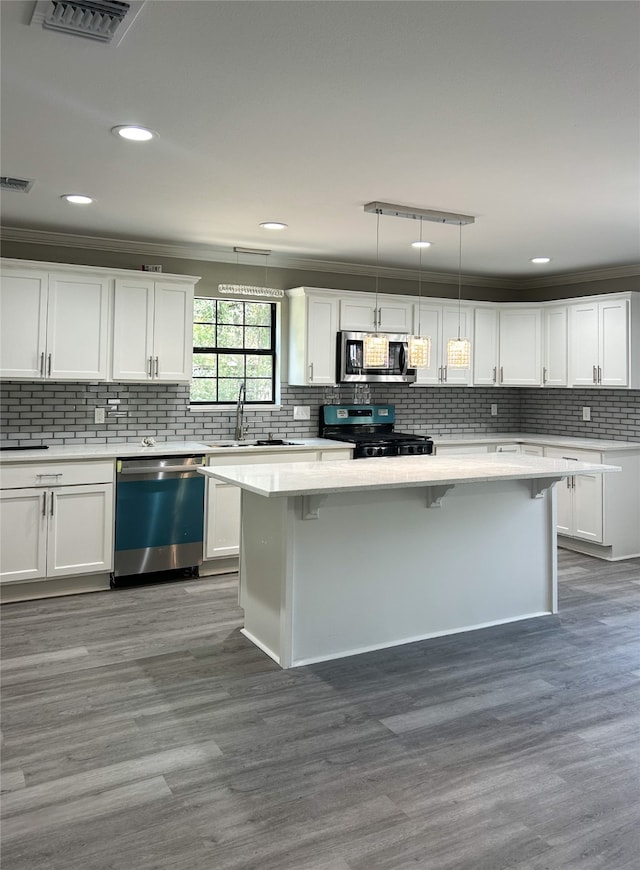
141, 731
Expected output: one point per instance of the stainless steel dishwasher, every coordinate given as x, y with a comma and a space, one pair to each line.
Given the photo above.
159, 515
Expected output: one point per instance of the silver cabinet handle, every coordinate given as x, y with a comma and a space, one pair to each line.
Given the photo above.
42, 364
157, 367
150, 369
49, 474
544, 375
440, 374
502, 374
310, 371
49, 367
595, 374
52, 502
444, 374
599, 375
495, 374
44, 504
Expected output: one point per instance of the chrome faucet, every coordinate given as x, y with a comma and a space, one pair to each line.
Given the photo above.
241, 430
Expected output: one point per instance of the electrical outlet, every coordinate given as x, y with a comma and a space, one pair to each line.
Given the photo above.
301, 412
586, 412
494, 409
98, 415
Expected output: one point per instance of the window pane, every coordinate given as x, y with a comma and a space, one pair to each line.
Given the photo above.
230, 312
228, 390
204, 309
204, 336
203, 390
205, 365
259, 391
230, 336
257, 337
259, 366
230, 365
259, 314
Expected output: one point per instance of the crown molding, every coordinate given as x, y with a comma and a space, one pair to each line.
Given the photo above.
214, 254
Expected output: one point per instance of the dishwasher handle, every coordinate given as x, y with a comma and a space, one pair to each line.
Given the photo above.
157, 469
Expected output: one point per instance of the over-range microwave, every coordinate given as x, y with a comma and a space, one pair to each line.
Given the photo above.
350, 359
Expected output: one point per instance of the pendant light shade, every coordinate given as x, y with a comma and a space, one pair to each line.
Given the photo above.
459, 349
375, 346
419, 345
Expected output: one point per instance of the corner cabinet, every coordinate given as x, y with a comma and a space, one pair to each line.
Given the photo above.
313, 329
56, 520
600, 340
53, 323
152, 330
507, 348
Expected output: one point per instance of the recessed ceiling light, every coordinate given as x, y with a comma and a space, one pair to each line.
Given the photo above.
77, 198
134, 133
421, 244
273, 225
541, 259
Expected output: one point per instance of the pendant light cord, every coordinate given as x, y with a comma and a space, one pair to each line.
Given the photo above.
459, 274
420, 282
375, 317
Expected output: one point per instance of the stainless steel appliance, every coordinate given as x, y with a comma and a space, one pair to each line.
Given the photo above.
350, 359
370, 428
159, 515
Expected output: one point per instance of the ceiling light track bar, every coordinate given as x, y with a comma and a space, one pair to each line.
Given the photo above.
421, 214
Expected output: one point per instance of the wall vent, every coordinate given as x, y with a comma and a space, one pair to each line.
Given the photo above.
20, 185
101, 20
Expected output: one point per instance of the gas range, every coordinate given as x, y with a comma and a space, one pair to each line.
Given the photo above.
370, 429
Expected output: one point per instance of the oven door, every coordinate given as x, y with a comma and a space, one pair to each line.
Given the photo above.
350, 358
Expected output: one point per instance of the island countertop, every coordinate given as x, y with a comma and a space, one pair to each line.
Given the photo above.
311, 478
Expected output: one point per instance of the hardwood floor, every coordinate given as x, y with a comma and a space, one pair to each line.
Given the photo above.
143, 732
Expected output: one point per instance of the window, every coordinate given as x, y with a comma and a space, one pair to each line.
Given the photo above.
234, 342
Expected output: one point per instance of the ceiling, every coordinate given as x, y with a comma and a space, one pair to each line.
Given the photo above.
523, 114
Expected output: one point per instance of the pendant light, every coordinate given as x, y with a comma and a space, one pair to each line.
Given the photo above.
375, 346
419, 345
247, 289
459, 349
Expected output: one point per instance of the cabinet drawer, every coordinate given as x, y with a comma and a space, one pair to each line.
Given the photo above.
262, 458
56, 474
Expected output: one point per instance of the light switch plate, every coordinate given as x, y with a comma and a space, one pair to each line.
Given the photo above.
494, 409
586, 412
301, 412
98, 415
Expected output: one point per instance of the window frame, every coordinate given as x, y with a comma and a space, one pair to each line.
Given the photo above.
273, 352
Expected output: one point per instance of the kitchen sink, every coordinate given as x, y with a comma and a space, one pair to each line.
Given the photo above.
274, 442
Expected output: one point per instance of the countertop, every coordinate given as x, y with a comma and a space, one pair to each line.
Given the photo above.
529, 438
313, 478
114, 450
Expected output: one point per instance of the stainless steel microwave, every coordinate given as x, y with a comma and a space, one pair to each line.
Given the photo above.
350, 360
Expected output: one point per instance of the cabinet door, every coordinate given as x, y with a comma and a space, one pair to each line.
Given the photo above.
587, 506
485, 347
358, 314
23, 530
451, 316
23, 323
555, 340
77, 328
564, 503
583, 342
173, 332
614, 343
81, 527
394, 316
322, 330
222, 521
133, 330
520, 347
427, 321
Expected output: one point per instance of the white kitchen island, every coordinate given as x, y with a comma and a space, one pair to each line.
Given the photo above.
352, 556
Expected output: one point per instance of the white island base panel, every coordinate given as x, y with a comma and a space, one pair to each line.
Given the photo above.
327, 576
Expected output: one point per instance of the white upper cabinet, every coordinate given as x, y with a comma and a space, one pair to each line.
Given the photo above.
520, 347
555, 346
440, 323
359, 312
599, 336
507, 346
54, 325
153, 330
313, 331
485, 347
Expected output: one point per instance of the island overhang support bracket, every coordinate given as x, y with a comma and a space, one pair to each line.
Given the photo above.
435, 494
540, 484
311, 504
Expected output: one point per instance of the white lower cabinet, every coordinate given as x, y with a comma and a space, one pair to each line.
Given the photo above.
222, 501
580, 497
50, 531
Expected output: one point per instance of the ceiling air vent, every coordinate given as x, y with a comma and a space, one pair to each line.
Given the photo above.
20, 185
102, 20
